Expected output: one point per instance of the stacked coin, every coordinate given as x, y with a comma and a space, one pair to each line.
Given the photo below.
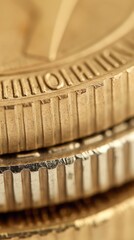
111, 214
66, 101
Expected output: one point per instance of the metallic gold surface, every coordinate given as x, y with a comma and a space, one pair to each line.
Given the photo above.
109, 215
66, 119
67, 172
66, 71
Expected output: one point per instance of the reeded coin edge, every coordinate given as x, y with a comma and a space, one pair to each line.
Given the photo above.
36, 111
82, 112
39, 178
84, 218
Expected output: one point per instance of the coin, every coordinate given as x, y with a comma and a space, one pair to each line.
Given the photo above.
110, 213
69, 171
65, 71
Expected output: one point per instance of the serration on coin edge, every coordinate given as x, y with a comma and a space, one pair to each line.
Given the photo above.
44, 177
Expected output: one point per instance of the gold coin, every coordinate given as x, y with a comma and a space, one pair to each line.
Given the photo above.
67, 172
110, 214
66, 70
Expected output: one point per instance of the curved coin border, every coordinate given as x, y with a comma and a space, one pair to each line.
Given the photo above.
34, 114
32, 118
90, 69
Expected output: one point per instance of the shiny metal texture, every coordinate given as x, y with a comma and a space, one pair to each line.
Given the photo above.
111, 213
67, 172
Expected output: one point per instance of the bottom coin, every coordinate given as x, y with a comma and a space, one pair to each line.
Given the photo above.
106, 216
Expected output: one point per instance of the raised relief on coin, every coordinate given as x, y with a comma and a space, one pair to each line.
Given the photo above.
33, 32
62, 67
52, 19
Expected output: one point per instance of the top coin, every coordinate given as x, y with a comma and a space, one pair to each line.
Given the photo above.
66, 70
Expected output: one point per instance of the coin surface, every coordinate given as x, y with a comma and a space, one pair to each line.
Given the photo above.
111, 213
65, 71
69, 171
